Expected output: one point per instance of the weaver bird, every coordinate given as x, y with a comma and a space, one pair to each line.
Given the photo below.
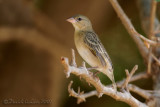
90, 47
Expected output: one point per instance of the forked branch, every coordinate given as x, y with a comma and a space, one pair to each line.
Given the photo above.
129, 75
100, 88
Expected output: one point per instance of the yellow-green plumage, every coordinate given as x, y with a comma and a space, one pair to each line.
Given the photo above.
90, 47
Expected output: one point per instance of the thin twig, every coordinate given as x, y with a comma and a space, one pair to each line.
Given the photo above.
149, 60
151, 42
80, 95
156, 59
73, 58
152, 18
129, 75
151, 33
139, 91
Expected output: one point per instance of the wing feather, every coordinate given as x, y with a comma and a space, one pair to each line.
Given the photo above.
93, 43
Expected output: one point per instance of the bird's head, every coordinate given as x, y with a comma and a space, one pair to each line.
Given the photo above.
80, 22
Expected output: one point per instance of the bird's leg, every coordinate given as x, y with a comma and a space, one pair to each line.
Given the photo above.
95, 74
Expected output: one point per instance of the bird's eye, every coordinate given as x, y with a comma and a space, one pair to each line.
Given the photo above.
79, 19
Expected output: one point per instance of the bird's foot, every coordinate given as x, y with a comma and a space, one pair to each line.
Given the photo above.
95, 75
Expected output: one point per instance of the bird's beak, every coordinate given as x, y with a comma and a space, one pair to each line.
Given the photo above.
71, 20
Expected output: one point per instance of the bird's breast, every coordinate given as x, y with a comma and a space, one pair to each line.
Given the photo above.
85, 53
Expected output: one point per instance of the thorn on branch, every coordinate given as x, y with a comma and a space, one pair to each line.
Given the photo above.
73, 60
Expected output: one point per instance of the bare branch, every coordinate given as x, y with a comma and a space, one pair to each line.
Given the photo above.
139, 91
136, 77
128, 25
156, 59
152, 18
145, 7
66, 66
100, 88
151, 33
73, 58
80, 95
143, 93
129, 76
149, 60
151, 42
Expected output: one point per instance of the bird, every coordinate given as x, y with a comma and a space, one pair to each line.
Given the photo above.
90, 47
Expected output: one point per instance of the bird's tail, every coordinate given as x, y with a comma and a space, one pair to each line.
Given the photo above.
110, 74
113, 82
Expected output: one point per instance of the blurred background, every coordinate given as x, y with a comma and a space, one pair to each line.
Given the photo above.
34, 35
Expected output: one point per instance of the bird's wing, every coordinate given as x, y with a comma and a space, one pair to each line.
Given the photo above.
93, 43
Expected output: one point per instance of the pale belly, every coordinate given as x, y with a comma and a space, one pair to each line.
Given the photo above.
91, 59
87, 55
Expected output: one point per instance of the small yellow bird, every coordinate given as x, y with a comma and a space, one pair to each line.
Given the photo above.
90, 47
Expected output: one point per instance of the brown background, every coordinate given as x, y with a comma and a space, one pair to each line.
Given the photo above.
34, 35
